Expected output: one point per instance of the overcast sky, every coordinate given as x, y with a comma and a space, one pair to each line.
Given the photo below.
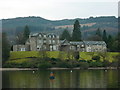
58, 9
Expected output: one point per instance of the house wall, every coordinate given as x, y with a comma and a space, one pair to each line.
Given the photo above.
21, 48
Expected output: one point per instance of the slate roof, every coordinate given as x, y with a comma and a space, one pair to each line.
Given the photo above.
83, 42
94, 42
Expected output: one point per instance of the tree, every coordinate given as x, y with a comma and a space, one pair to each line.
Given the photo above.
21, 37
94, 38
5, 48
110, 42
98, 32
104, 37
26, 34
76, 35
104, 55
65, 35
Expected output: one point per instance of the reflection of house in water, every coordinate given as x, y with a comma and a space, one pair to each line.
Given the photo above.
51, 42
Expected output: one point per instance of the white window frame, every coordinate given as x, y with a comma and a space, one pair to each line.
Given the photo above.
22, 49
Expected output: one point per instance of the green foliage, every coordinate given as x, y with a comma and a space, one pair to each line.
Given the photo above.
84, 65
44, 65
98, 32
5, 48
106, 63
104, 36
64, 64
76, 35
22, 36
97, 58
110, 42
95, 64
32, 59
26, 34
65, 35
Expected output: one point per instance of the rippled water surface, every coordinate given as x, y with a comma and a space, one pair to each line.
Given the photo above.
63, 79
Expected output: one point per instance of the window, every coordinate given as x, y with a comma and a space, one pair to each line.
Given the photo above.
22, 49
39, 35
53, 36
44, 41
50, 41
45, 36
49, 36
54, 47
53, 41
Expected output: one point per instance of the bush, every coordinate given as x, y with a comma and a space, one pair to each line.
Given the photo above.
82, 61
97, 58
106, 63
44, 65
64, 64
84, 65
95, 64
89, 61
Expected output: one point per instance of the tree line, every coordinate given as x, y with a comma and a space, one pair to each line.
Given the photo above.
113, 43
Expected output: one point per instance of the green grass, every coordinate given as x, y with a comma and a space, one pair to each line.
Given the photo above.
21, 55
19, 61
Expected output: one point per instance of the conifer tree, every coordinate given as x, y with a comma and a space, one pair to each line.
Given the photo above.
76, 35
26, 34
65, 35
104, 37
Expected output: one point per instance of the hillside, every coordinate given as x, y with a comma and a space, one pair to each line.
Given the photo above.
39, 24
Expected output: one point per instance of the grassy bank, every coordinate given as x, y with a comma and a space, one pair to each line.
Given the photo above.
59, 59
22, 55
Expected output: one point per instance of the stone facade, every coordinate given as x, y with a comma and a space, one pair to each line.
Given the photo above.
51, 42
83, 46
41, 41
21, 48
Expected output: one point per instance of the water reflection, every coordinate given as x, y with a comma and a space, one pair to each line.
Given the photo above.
63, 79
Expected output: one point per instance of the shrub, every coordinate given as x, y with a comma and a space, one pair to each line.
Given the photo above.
84, 65
64, 64
97, 58
82, 61
89, 61
106, 63
95, 64
44, 65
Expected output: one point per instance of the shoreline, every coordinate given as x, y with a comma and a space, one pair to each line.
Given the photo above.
90, 68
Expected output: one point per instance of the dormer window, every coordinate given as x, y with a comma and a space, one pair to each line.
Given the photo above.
39, 35
45, 36
82, 46
49, 36
53, 36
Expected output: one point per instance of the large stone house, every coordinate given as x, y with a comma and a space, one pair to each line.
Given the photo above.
39, 42
51, 42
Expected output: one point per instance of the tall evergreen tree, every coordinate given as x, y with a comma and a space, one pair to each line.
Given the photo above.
76, 35
5, 48
65, 35
104, 36
110, 42
98, 32
26, 33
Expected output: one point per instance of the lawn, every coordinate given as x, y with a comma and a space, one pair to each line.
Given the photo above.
23, 55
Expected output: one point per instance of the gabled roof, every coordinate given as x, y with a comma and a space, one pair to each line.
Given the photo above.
94, 42
76, 43
82, 42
